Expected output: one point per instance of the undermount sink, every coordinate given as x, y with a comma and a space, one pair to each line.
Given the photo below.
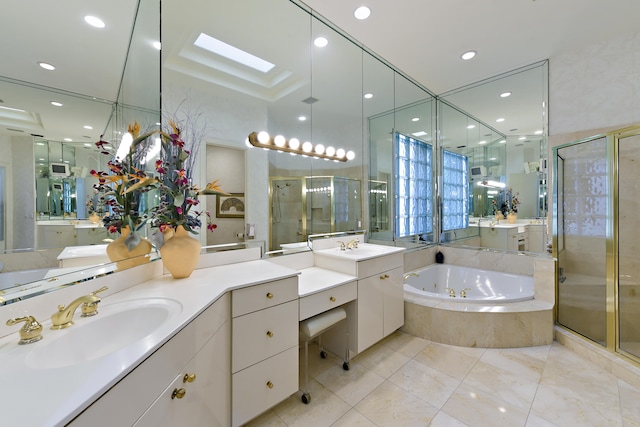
114, 327
362, 252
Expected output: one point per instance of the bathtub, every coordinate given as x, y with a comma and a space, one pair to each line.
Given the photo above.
481, 286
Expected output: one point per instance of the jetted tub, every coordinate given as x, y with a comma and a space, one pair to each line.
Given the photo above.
480, 286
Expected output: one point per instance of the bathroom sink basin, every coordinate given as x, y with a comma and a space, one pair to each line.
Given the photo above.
114, 328
362, 252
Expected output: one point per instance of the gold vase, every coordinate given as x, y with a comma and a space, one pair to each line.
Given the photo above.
180, 253
512, 218
124, 258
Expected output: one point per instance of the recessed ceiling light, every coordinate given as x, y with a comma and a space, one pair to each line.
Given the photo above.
157, 45
420, 133
302, 118
503, 141
233, 53
505, 94
522, 138
86, 144
321, 41
415, 119
56, 103
362, 12
87, 127
468, 55
46, 66
368, 95
482, 142
538, 132
94, 21
68, 139
471, 126
500, 120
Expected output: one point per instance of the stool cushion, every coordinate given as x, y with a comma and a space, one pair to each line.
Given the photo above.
315, 325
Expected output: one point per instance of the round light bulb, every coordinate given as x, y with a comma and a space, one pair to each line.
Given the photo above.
263, 137
279, 141
362, 12
294, 144
340, 153
330, 151
307, 147
351, 155
319, 149
321, 41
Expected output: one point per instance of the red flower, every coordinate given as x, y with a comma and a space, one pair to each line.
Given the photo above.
113, 229
211, 227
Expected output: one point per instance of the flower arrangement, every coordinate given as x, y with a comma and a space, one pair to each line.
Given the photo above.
123, 185
515, 200
179, 195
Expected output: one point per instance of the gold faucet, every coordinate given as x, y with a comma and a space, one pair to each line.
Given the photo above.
406, 276
342, 245
30, 332
452, 292
353, 244
63, 318
463, 292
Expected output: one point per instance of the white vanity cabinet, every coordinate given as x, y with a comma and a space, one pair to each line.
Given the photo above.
185, 382
380, 305
264, 347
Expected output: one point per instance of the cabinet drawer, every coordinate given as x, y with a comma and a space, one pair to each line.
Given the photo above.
326, 300
253, 298
261, 334
264, 385
373, 266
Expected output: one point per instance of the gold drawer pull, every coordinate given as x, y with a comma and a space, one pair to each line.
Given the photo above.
189, 378
178, 393
269, 384
386, 276
270, 334
332, 299
269, 295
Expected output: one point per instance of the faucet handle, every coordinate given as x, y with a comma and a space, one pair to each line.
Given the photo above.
91, 308
463, 292
452, 292
30, 332
342, 245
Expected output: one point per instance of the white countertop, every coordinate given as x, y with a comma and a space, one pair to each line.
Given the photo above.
315, 279
54, 396
364, 251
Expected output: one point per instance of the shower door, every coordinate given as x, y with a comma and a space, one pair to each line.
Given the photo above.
581, 237
287, 219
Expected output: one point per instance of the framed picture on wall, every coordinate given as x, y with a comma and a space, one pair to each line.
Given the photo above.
231, 206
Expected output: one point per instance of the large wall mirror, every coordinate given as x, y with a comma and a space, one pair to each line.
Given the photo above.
338, 95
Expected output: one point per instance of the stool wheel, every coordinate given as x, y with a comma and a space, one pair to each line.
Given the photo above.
306, 398
323, 354
345, 366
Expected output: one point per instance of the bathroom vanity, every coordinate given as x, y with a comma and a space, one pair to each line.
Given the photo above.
218, 348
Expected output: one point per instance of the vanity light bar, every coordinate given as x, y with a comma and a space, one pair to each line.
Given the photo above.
279, 143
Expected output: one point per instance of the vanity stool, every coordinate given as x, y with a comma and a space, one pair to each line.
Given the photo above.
314, 327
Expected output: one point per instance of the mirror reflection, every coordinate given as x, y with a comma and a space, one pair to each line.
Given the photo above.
338, 95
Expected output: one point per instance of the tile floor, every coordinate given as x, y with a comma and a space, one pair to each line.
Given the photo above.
408, 381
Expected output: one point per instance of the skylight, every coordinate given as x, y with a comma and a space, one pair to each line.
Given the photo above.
233, 53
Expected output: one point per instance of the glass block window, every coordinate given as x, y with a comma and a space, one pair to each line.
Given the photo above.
455, 197
413, 179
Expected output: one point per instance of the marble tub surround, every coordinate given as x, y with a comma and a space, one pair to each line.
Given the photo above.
409, 381
495, 325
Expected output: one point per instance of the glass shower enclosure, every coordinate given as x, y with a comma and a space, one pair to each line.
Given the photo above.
302, 206
596, 239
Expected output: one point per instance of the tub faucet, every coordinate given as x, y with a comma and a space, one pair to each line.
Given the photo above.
406, 276
463, 292
63, 318
452, 292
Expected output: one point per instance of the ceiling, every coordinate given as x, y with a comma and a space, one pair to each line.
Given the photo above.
423, 39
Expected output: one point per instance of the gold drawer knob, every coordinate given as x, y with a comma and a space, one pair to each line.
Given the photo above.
178, 393
269, 295
385, 276
270, 334
332, 299
269, 384
189, 378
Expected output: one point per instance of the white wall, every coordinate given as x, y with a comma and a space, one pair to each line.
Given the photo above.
594, 87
